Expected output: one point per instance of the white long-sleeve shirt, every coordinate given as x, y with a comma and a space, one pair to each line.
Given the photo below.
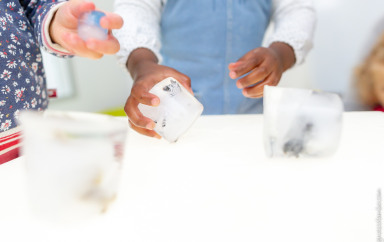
294, 22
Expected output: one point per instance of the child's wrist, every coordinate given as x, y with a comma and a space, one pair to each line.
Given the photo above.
50, 32
52, 27
285, 52
138, 58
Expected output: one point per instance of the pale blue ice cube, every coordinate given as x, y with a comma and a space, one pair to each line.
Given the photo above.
89, 26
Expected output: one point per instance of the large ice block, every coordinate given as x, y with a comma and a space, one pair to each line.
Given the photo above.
73, 163
301, 123
89, 26
177, 111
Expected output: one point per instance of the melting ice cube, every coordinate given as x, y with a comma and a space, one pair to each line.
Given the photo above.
177, 111
89, 26
300, 122
73, 163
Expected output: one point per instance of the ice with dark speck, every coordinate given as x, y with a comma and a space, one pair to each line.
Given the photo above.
301, 123
177, 111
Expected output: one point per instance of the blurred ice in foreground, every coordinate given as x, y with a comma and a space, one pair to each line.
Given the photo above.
73, 162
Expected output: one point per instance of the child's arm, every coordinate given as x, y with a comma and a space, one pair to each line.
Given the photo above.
55, 26
292, 39
140, 53
143, 30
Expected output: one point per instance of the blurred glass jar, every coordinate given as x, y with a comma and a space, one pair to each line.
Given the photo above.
73, 162
301, 123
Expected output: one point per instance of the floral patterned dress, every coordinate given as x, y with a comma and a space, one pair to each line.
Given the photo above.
22, 76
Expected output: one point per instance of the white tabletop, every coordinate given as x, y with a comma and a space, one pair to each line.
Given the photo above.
216, 184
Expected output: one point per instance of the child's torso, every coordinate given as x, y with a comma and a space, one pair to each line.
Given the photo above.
201, 37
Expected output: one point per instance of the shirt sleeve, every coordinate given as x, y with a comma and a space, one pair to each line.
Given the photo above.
141, 27
294, 24
40, 14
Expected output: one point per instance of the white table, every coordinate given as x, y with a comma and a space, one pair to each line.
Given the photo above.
216, 184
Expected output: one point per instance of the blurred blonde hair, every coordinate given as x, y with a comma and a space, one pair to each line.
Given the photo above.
364, 74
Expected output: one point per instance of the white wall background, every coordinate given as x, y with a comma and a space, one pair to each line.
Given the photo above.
345, 32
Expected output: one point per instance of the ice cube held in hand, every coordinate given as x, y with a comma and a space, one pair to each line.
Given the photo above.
300, 122
177, 111
89, 26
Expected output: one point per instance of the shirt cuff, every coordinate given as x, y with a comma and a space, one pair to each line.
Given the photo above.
299, 42
47, 41
124, 53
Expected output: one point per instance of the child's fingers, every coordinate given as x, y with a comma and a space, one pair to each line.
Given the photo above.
257, 90
141, 94
110, 46
145, 132
112, 21
256, 75
69, 13
136, 117
78, 47
246, 63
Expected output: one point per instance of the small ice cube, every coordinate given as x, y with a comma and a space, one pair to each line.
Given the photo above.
300, 122
177, 111
89, 26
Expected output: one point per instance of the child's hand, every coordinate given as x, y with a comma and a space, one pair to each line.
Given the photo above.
63, 30
263, 66
146, 73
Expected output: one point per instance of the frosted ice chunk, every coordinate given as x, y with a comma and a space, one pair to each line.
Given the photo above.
73, 163
177, 111
89, 26
300, 122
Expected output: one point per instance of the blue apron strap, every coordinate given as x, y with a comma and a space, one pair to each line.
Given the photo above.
201, 37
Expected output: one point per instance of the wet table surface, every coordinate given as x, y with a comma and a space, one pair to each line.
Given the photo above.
216, 184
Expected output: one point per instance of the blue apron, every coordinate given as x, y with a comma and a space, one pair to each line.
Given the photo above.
201, 37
